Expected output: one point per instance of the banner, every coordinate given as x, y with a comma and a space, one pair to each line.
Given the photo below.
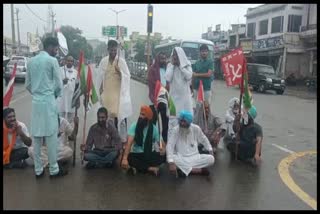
232, 66
63, 43
34, 42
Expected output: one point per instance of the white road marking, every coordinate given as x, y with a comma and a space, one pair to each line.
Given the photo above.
282, 148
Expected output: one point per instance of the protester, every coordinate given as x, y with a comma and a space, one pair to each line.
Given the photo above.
142, 153
114, 85
182, 149
251, 136
232, 112
44, 82
65, 152
179, 75
69, 76
203, 70
16, 141
157, 73
210, 124
103, 142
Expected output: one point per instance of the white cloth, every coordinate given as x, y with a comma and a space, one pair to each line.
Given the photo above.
19, 143
64, 150
182, 149
230, 116
65, 101
180, 80
125, 105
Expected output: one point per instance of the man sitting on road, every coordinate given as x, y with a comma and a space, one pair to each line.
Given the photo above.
66, 130
215, 129
106, 141
142, 142
182, 148
233, 110
250, 138
16, 141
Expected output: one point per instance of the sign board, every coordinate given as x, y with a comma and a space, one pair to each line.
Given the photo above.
146, 51
232, 66
123, 31
246, 45
34, 42
275, 42
110, 31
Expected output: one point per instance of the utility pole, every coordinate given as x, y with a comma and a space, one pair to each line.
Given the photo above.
5, 47
149, 30
13, 31
19, 41
52, 15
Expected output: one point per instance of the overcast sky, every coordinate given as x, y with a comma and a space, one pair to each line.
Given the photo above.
181, 21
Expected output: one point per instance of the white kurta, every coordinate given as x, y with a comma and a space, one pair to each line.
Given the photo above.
65, 102
182, 149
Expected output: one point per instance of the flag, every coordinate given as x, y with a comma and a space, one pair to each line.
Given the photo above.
91, 88
247, 98
156, 92
232, 66
172, 107
9, 91
200, 96
78, 89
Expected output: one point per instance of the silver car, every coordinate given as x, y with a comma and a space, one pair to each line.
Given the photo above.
21, 68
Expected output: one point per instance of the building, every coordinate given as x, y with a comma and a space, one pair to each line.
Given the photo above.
238, 31
7, 48
275, 32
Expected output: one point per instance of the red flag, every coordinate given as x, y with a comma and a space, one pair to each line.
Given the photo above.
156, 91
81, 60
9, 91
233, 67
89, 80
200, 96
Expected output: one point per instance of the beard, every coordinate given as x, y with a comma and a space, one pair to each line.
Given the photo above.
141, 124
101, 123
184, 131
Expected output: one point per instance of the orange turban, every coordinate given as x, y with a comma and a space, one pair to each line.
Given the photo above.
147, 111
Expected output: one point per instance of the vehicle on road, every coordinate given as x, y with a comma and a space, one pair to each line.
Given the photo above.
263, 77
21, 68
190, 47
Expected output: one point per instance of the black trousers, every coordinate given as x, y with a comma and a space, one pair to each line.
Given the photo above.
165, 120
17, 155
138, 161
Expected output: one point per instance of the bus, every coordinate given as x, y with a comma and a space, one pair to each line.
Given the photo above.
190, 47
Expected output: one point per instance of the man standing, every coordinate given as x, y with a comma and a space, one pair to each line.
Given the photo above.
69, 76
66, 130
203, 70
44, 83
210, 124
115, 88
104, 137
182, 148
250, 138
16, 141
142, 142
157, 73
179, 75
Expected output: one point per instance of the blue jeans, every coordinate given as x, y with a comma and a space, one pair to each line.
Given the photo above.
101, 157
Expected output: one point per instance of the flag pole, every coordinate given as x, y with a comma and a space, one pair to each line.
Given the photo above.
84, 126
74, 143
241, 92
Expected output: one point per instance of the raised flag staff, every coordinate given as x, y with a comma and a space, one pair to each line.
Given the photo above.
8, 95
234, 66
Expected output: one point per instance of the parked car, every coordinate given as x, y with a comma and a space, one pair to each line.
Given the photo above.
263, 77
21, 67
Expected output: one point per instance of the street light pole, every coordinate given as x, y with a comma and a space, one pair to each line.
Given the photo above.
117, 12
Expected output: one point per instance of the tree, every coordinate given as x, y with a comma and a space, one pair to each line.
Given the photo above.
75, 42
140, 49
101, 49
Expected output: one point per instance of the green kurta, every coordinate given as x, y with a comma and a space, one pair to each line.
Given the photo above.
44, 83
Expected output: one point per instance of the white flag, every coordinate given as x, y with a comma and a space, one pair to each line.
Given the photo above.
63, 43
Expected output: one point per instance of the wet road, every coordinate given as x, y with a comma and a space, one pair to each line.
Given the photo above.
289, 126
